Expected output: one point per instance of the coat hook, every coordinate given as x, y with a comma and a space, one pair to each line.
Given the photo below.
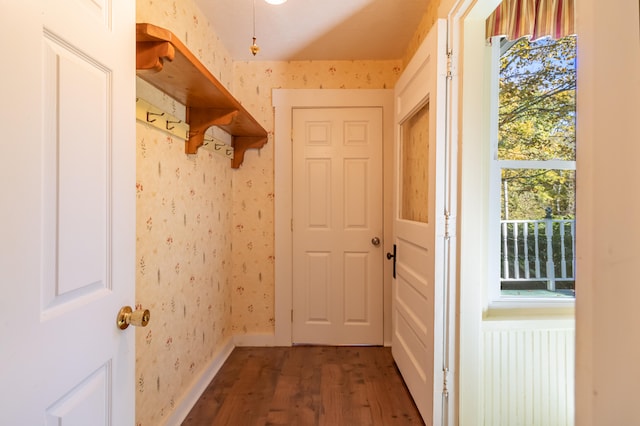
153, 113
172, 127
229, 151
217, 146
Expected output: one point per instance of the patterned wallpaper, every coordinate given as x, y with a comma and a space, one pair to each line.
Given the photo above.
205, 233
183, 267
184, 237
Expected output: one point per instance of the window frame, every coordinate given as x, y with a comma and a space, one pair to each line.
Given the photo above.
497, 300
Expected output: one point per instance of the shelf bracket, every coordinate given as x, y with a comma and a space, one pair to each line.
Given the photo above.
150, 56
200, 119
241, 144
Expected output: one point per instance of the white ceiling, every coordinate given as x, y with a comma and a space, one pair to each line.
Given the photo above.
316, 29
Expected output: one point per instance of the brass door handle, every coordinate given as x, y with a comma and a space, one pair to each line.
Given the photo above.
375, 241
137, 318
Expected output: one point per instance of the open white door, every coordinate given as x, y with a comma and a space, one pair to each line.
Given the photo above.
420, 305
67, 226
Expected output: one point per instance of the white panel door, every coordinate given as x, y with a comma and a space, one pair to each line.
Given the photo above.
337, 226
67, 223
419, 306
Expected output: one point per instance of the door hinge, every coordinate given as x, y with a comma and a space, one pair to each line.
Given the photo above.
292, 315
291, 225
445, 383
449, 64
447, 217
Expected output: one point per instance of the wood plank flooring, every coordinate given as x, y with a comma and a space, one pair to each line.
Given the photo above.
306, 385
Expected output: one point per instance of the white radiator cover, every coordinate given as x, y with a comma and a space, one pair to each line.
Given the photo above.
528, 373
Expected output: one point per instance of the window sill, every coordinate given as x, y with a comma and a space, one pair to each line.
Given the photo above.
513, 307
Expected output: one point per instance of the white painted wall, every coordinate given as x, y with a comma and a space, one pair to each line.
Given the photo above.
608, 202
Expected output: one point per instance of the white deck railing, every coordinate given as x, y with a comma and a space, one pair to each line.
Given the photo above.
538, 250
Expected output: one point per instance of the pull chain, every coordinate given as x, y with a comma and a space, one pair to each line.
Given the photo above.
254, 47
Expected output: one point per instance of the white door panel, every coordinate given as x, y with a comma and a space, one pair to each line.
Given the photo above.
337, 211
85, 403
418, 338
67, 171
75, 187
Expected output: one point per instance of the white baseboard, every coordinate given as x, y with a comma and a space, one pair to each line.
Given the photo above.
200, 384
259, 340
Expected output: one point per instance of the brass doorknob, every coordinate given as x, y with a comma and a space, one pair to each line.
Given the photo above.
127, 317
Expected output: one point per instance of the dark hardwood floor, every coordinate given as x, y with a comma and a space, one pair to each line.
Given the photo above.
306, 385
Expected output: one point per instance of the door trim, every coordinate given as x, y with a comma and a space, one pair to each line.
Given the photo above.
284, 101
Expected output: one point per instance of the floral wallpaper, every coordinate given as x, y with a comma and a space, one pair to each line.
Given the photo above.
183, 267
205, 232
184, 236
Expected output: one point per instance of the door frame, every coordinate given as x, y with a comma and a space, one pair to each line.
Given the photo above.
467, 126
466, 19
284, 101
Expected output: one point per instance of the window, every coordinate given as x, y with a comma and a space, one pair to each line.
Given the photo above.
533, 167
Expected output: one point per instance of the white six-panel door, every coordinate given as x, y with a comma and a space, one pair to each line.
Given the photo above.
418, 302
337, 226
67, 179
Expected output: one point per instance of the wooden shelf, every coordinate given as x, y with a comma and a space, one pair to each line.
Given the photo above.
164, 62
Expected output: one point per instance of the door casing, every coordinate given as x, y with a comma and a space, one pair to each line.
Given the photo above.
284, 100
